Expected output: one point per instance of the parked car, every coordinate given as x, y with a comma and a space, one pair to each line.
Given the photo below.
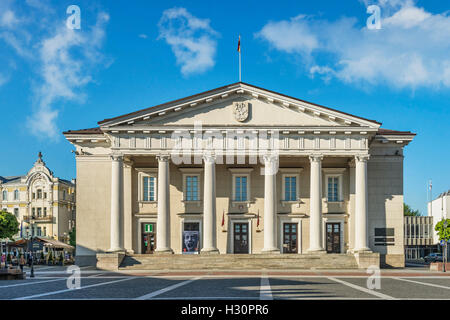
433, 257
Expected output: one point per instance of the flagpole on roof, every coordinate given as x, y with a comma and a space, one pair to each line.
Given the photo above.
239, 50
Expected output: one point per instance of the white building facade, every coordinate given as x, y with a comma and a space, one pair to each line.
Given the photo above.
244, 169
43, 204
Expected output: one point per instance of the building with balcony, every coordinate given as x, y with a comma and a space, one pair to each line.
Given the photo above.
43, 204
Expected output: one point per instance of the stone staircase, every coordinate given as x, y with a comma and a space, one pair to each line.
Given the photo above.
238, 262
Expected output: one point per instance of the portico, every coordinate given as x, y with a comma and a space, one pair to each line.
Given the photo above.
240, 169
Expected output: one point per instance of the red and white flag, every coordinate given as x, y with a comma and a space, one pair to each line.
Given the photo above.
257, 221
223, 218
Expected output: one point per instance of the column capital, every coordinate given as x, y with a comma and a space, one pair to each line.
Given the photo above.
317, 157
269, 158
351, 163
163, 157
209, 157
116, 156
362, 157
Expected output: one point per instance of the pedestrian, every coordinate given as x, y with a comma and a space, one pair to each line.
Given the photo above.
21, 262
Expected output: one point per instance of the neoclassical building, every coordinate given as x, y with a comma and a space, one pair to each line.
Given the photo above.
239, 169
43, 204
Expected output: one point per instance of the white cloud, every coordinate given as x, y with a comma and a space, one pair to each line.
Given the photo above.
192, 40
143, 36
3, 79
63, 60
410, 51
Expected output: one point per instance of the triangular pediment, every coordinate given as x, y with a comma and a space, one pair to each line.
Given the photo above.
260, 107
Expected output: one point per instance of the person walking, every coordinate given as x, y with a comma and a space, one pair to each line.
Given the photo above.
21, 262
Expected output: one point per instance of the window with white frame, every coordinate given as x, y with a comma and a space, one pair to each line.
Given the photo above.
192, 188
5, 195
39, 194
149, 189
333, 188
240, 189
290, 188
16, 212
333, 184
16, 194
147, 184
241, 184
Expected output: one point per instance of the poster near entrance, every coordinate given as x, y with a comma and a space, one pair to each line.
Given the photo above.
191, 242
148, 238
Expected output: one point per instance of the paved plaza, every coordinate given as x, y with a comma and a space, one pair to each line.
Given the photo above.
414, 282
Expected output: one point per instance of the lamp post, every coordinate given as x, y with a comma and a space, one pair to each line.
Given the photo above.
445, 246
31, 251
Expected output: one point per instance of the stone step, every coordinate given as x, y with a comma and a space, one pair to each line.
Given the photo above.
242, 262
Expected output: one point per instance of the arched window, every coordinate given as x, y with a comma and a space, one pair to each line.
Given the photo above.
16, 194
5, 195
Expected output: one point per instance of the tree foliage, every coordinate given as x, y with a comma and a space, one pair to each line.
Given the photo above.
72, 237
408, 211
9, 225
442, 231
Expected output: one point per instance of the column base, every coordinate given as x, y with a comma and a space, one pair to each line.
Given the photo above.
362, 250
115, 250
209, 251
273, 250
163, 251
316, 251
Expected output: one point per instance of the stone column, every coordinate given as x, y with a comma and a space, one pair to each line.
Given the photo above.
209, 205
361, 243
270, 204
162, 223
116, 201
128, 206
315, 204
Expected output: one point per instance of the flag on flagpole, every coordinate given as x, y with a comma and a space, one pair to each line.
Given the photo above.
239, 44
257, 221
223, 218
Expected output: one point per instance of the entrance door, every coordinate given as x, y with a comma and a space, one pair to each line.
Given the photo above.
148, 237
290, 238
333, 237
240, 237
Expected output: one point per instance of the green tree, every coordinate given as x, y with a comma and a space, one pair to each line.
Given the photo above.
442, 230
408, 211
9, 225
73, 237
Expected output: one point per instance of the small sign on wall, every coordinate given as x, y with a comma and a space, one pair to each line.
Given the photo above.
384, 236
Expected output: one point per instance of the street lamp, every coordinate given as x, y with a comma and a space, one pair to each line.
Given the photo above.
445, 246
31, 250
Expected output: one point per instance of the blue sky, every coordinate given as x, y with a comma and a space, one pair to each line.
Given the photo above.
134, 54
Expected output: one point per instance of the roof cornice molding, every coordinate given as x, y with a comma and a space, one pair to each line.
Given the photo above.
206, 98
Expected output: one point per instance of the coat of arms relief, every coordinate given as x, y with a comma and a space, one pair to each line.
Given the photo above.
240, 110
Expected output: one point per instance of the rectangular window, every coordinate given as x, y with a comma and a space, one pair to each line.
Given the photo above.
34, 195
240, 188
290, 188
39, 194
39, 211
16, 194
45, 231
39, 231
333, 189
33, 212
45, 212
16, 212
192, 188
45, 195
149, 189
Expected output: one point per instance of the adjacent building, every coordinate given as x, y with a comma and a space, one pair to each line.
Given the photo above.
439, 209
419, 233
43, 204
240, 169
